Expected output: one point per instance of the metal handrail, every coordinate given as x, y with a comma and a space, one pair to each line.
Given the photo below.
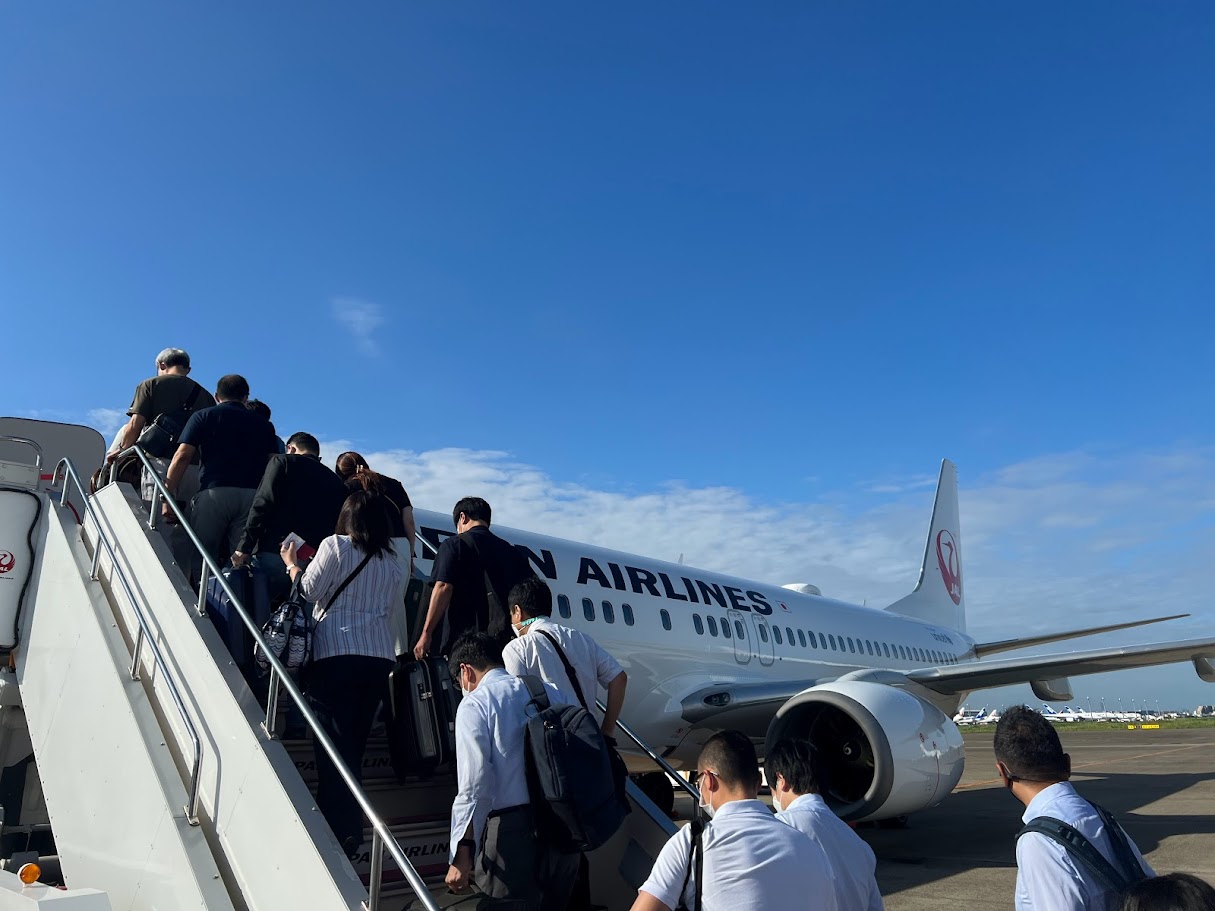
162, 667
33, 444
281, 677
662, 763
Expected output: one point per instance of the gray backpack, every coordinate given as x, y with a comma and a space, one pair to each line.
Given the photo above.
569, 774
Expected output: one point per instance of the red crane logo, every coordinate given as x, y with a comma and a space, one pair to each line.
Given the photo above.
7, 562
951, 567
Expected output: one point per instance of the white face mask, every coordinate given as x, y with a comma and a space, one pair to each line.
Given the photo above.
776, 801
463, 689
704, 802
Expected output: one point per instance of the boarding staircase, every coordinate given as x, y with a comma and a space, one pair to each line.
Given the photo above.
166, 782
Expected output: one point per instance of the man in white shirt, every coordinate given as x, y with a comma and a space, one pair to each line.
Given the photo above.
1034, 768
795, 796
752, 861
492, 811
538, 650
539, 646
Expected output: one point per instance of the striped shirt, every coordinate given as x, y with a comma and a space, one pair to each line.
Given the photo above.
358, 623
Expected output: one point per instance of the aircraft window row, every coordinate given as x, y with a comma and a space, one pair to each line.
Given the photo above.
608, 611
827, 641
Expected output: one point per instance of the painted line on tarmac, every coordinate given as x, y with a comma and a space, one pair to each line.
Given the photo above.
1085, 765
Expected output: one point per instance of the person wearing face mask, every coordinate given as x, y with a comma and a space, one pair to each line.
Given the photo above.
795, 797
1035, 770
751, 860
493, 839
542, 648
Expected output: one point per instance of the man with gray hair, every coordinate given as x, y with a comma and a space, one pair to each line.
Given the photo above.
169, 396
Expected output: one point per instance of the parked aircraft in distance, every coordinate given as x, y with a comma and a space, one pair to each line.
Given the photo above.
874, 690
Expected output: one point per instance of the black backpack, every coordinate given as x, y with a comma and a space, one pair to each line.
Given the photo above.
159, 439
569, 774
1115, 877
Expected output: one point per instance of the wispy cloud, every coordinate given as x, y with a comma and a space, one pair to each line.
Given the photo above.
107, 420
362, 319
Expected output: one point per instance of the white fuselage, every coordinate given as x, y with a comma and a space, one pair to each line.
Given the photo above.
665, 623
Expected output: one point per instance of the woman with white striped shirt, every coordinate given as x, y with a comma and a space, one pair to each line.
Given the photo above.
355, 580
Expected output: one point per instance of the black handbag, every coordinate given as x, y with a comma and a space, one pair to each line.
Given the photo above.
159, 439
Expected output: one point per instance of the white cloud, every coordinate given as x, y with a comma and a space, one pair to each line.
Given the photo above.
107, 420
1054, 543
362, 319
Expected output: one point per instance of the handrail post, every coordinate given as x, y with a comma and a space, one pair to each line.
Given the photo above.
154, 508
204, 579
135, 653
271, 707
377, 872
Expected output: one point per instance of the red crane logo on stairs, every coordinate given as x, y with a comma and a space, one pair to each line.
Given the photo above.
7, 562
951, 568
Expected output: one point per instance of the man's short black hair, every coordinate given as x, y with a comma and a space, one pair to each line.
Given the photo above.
792, 760
1029, 746
305, 442
1171, 892
474, 508
533, 596
232, 388
480, 651
731, 755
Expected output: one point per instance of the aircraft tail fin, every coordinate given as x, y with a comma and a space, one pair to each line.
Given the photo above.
938, 596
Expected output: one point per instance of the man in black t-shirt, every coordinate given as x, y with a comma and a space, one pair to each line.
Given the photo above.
460, 568
233, 444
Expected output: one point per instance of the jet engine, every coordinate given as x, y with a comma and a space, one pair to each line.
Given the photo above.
879, 751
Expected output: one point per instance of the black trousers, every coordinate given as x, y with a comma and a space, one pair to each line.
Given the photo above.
345, 691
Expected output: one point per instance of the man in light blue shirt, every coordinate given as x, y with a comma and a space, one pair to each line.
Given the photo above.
1034, 768
492, 827
751, 861
795, 796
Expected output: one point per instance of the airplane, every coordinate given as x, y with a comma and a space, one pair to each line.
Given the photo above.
965, 717
873, 690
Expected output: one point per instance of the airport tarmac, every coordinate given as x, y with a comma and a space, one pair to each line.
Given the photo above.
1160, 785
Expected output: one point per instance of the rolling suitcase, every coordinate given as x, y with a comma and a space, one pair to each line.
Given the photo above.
252, 587
422, 725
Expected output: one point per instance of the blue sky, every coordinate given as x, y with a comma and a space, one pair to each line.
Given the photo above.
783, 258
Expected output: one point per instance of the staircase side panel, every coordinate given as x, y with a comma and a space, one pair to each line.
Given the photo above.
114, 796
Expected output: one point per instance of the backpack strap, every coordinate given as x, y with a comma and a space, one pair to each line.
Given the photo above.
1124, 857
1080, 848
696, 858
188, 405
569, 668
535, 688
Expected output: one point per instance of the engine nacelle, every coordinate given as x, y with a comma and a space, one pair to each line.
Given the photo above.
880, 751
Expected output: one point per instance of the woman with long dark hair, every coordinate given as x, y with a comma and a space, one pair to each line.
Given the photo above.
355, 580
354, 470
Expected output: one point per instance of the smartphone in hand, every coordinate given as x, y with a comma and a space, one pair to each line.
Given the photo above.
303, 550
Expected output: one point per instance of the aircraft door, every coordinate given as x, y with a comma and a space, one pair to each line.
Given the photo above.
764, 649
739, 635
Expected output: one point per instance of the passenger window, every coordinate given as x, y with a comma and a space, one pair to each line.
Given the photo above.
712, 625
789, 630
886, 649
776, 635
813, 641
763, 633
851, 645
725, 627
869, 646
588, 609
801, 637
832, 638
563, 606
666, 617
903, 653
609, 612
698, 624
627, 611
740, 629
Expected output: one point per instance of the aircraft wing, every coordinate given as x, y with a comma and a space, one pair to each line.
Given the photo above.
984, 674
983, 649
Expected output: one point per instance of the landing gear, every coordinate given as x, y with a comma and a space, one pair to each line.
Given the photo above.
657, 787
